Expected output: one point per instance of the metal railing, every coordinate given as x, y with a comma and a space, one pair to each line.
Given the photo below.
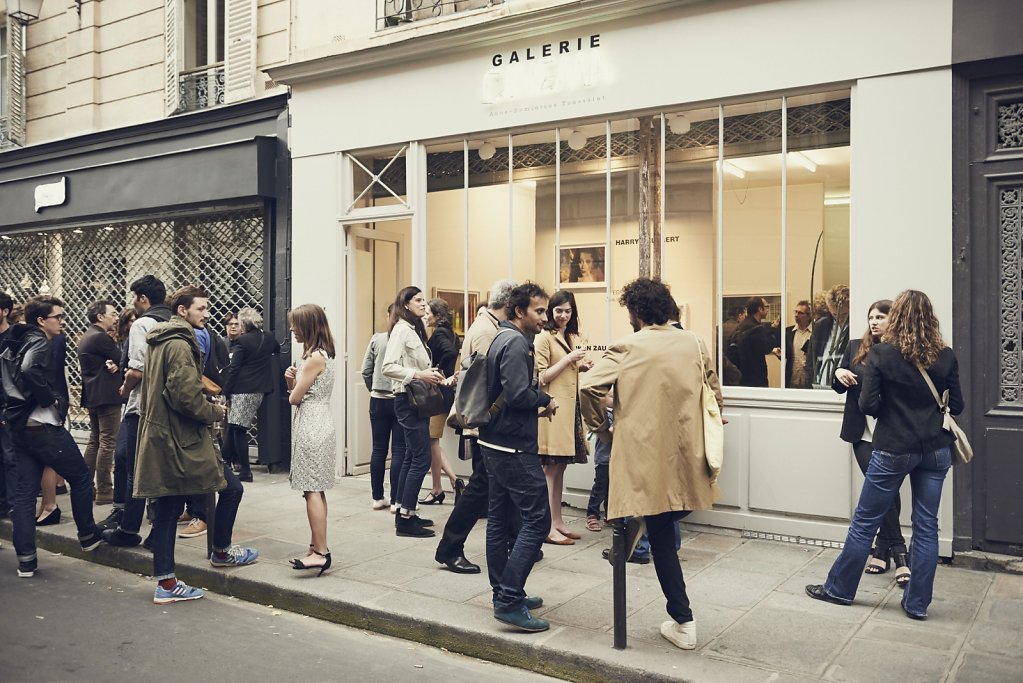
201, 88
391, 13
5, 141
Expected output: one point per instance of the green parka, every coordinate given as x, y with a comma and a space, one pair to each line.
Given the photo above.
176, 455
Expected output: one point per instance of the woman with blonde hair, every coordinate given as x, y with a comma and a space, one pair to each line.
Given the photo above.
909, 439
313, 440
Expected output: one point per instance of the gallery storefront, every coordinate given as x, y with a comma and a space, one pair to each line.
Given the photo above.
707, 136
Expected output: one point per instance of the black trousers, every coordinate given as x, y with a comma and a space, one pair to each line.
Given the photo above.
473, 504
660, 530
889, 535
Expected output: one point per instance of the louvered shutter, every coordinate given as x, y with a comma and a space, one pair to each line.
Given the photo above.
16, 82
240, 50
174, 53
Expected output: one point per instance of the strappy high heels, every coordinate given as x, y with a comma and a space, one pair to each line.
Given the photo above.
901, 563
299, 565
885, 557
433, 499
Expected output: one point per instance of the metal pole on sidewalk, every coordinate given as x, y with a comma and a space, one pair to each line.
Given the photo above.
618, 560
211, 509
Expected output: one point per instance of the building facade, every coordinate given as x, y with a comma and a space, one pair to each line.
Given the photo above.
447, 144
141, 137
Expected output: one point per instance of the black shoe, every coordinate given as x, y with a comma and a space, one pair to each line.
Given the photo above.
407, 526
816, 591
635, 559
460, 565
433, 499
148, 543
539, 555
459, 490
918, 617
245, 476
26, 570
62, 490
92, 542
112, 520
422, 522
120, 538
52, 518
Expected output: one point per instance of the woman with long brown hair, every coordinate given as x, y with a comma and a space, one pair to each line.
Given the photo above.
909, 439
858, 430
313, 440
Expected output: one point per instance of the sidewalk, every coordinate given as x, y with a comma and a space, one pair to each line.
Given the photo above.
754, 622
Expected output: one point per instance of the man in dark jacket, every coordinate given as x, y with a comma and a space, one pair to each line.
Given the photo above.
33, 412
7, 476
509, 445
100, 358
756, 340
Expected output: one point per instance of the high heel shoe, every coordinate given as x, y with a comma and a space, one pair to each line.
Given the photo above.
50, 519
433, 499
876, 568
299, 565
901, 562
459, 489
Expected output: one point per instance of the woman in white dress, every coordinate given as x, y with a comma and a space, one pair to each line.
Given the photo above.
313, 441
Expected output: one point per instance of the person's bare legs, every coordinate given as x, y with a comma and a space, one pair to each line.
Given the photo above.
48, 484
555, 474
316, 511
439, 464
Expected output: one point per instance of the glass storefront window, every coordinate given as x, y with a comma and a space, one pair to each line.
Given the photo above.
378, 178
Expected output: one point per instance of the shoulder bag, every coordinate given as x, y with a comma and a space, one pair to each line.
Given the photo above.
713, 427
962, 451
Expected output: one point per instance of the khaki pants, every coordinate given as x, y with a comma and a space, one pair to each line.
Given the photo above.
104, 423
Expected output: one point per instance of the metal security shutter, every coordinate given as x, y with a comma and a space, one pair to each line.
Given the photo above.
174, 53
240, 51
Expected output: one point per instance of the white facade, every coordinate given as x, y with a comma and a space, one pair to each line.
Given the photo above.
786, 472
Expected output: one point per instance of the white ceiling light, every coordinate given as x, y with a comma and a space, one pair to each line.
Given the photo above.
487, 151
804, 161
731, 168
576, 140
679, 124
837, 200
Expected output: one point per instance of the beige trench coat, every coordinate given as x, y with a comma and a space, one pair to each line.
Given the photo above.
657, 458
557, 436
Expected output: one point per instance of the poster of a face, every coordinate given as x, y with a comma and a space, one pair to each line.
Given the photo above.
581, 265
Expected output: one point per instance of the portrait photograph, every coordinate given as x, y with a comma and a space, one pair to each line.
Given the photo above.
581, 265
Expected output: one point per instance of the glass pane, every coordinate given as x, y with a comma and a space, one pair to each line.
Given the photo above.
446, 234
488, 212
533, 156
751, 255
378, 178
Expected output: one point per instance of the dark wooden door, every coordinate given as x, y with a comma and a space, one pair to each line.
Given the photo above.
988, 302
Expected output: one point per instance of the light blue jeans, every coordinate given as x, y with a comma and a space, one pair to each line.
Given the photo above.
884, 477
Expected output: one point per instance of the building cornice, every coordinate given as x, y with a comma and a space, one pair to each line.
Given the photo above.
455, 40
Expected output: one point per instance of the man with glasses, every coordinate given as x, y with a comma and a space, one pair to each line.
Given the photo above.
797, 344
99, 358
40, 440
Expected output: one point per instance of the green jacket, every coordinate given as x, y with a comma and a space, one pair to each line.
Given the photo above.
176, 455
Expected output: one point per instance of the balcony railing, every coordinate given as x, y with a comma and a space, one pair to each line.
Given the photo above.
392, 13
201, 88
5, 141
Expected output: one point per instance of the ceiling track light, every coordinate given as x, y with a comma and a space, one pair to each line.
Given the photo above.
804, 161
487, 151
576, 140
679, 124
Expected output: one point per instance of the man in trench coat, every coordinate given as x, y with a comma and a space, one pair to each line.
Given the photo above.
658, 466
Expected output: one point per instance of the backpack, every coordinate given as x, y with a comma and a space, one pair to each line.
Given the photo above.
472, 407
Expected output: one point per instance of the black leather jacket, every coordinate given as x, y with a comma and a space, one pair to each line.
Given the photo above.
26, 373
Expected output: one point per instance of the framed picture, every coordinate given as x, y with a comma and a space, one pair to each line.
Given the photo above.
455, 299
581, 265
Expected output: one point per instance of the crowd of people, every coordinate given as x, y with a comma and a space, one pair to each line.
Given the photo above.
161, 429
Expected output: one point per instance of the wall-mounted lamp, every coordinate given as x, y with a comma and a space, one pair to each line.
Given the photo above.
24, 10
679, 124
732, 169
576, 140
804, 161
486, 151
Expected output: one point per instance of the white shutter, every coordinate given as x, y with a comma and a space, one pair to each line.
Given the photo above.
240, 50
174, 53
16, 82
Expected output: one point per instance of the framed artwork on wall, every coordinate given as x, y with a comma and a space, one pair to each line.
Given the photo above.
455, 299
581, 266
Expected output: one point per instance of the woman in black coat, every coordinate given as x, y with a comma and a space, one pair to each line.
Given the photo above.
858, 430
443, 346
247, 379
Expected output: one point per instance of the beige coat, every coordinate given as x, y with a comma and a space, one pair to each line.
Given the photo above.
657, 458
557, 436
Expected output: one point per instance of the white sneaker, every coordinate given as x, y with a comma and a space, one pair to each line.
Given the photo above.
680, 635
380, 504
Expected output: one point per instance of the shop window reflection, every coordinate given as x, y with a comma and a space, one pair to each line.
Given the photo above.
446, 233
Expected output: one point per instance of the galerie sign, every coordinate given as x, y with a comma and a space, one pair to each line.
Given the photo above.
556, 71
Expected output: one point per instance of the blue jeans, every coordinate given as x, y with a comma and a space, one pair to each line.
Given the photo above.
517, 487
8, 471
417, 452
385, 430
48, 446
884, 477
598, 493
121, 492
134, 508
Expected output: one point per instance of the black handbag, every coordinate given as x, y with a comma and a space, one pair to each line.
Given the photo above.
426, 398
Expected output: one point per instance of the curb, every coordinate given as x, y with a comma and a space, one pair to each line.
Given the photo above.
518, 653
988, 562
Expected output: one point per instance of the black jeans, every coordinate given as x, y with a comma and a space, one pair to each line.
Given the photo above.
517, 487
134, 508
8, 470
417, 452
121, 492
598, 494
236, 447
386, 430
889, 535
48, 446
661, 531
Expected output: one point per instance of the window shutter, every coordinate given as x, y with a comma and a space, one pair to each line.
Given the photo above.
174, 53
240, 51
16, 81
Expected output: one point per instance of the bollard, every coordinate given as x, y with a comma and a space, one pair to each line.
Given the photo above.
211, 515
618, 560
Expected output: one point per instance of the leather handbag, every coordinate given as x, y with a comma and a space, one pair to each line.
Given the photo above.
713, 427
427, 399
962, 451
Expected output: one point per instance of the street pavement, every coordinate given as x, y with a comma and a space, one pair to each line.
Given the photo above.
754, 622
85, 622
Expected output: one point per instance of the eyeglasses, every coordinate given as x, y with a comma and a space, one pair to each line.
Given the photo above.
59, 316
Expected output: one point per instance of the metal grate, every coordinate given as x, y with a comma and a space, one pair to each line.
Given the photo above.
223, 252
392, 13
799, 540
